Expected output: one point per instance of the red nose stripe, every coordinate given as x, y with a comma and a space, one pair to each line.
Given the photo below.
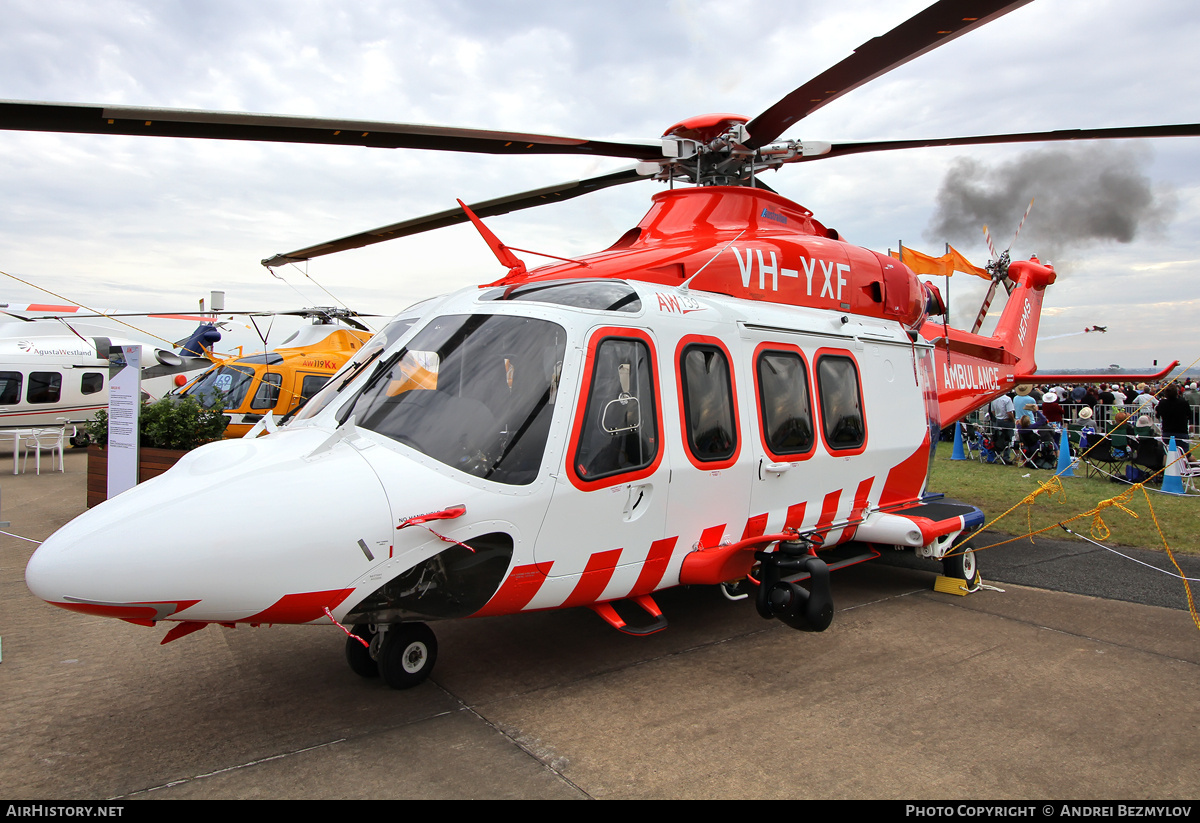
300, 608
150, 610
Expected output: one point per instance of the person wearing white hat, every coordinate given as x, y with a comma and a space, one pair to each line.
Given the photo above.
1051, 408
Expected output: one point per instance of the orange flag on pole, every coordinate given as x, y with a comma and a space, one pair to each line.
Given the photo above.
943, 266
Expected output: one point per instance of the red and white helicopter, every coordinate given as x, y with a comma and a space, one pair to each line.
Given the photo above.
728, 391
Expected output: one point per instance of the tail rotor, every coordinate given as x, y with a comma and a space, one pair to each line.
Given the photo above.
998, 268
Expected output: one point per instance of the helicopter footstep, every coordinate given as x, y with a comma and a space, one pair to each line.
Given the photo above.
609, 615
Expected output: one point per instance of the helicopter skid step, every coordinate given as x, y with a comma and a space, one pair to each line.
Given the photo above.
609, 614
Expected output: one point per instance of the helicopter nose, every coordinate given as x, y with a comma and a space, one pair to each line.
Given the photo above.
271, 530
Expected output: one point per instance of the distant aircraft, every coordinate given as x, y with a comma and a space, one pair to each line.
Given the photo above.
1096, 328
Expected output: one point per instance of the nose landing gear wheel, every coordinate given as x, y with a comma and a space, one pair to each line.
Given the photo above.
358, 656
407, 655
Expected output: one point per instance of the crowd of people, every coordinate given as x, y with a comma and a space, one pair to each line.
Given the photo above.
1031, 418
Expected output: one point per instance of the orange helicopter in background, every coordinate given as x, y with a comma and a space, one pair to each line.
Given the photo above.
279, 380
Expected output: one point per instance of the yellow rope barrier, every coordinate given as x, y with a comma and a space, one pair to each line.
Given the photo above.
1099, 529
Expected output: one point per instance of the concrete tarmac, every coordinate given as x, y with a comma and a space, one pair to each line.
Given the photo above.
1027, 693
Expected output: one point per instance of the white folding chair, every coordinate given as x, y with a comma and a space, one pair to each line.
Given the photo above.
1189, 470
40, 440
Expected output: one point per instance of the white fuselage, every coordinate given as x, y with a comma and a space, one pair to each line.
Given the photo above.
622, 480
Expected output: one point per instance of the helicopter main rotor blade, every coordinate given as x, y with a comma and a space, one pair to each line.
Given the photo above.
89, 119
935, 26
450, 217
1119, 133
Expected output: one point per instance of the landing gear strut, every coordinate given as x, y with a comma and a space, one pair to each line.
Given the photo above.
779, 595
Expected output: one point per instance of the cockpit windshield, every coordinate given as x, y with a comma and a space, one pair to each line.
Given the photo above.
224, 387
355, 366
475, 392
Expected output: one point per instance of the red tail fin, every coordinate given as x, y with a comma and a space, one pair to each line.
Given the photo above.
972, 369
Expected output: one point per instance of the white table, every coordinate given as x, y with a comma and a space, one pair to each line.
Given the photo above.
15, 435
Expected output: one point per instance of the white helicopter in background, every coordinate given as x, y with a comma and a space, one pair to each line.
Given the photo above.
730, 391
54, 363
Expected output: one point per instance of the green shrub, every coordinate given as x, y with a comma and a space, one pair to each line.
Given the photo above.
169, 423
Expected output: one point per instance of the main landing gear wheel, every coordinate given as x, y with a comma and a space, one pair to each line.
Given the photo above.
358, 655
407, 655
962, 565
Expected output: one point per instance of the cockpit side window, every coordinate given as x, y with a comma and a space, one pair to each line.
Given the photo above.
617, 431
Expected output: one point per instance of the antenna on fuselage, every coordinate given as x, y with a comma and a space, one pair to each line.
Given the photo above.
683, 287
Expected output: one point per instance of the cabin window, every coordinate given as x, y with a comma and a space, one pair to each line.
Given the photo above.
619, 429
707, 391
10, 387
44, 387
311, 384
91, 382
475, 392
267, 394
841, 403
785, 403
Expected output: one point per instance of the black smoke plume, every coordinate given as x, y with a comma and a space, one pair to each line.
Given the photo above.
1085, 194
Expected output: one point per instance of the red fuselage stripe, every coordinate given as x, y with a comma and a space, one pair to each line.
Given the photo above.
755, 526
522, 583
655, 566
595, 577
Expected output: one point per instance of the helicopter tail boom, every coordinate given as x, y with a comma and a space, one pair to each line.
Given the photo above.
971, 369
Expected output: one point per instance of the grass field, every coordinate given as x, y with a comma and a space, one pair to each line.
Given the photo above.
996, 488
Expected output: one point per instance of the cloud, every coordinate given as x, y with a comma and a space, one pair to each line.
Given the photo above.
1085, 194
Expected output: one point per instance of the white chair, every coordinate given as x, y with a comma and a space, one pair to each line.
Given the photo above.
1189, 470
44, 439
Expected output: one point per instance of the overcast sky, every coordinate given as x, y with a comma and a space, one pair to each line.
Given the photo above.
153, 223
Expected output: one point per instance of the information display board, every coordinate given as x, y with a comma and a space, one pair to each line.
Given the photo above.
124, 405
